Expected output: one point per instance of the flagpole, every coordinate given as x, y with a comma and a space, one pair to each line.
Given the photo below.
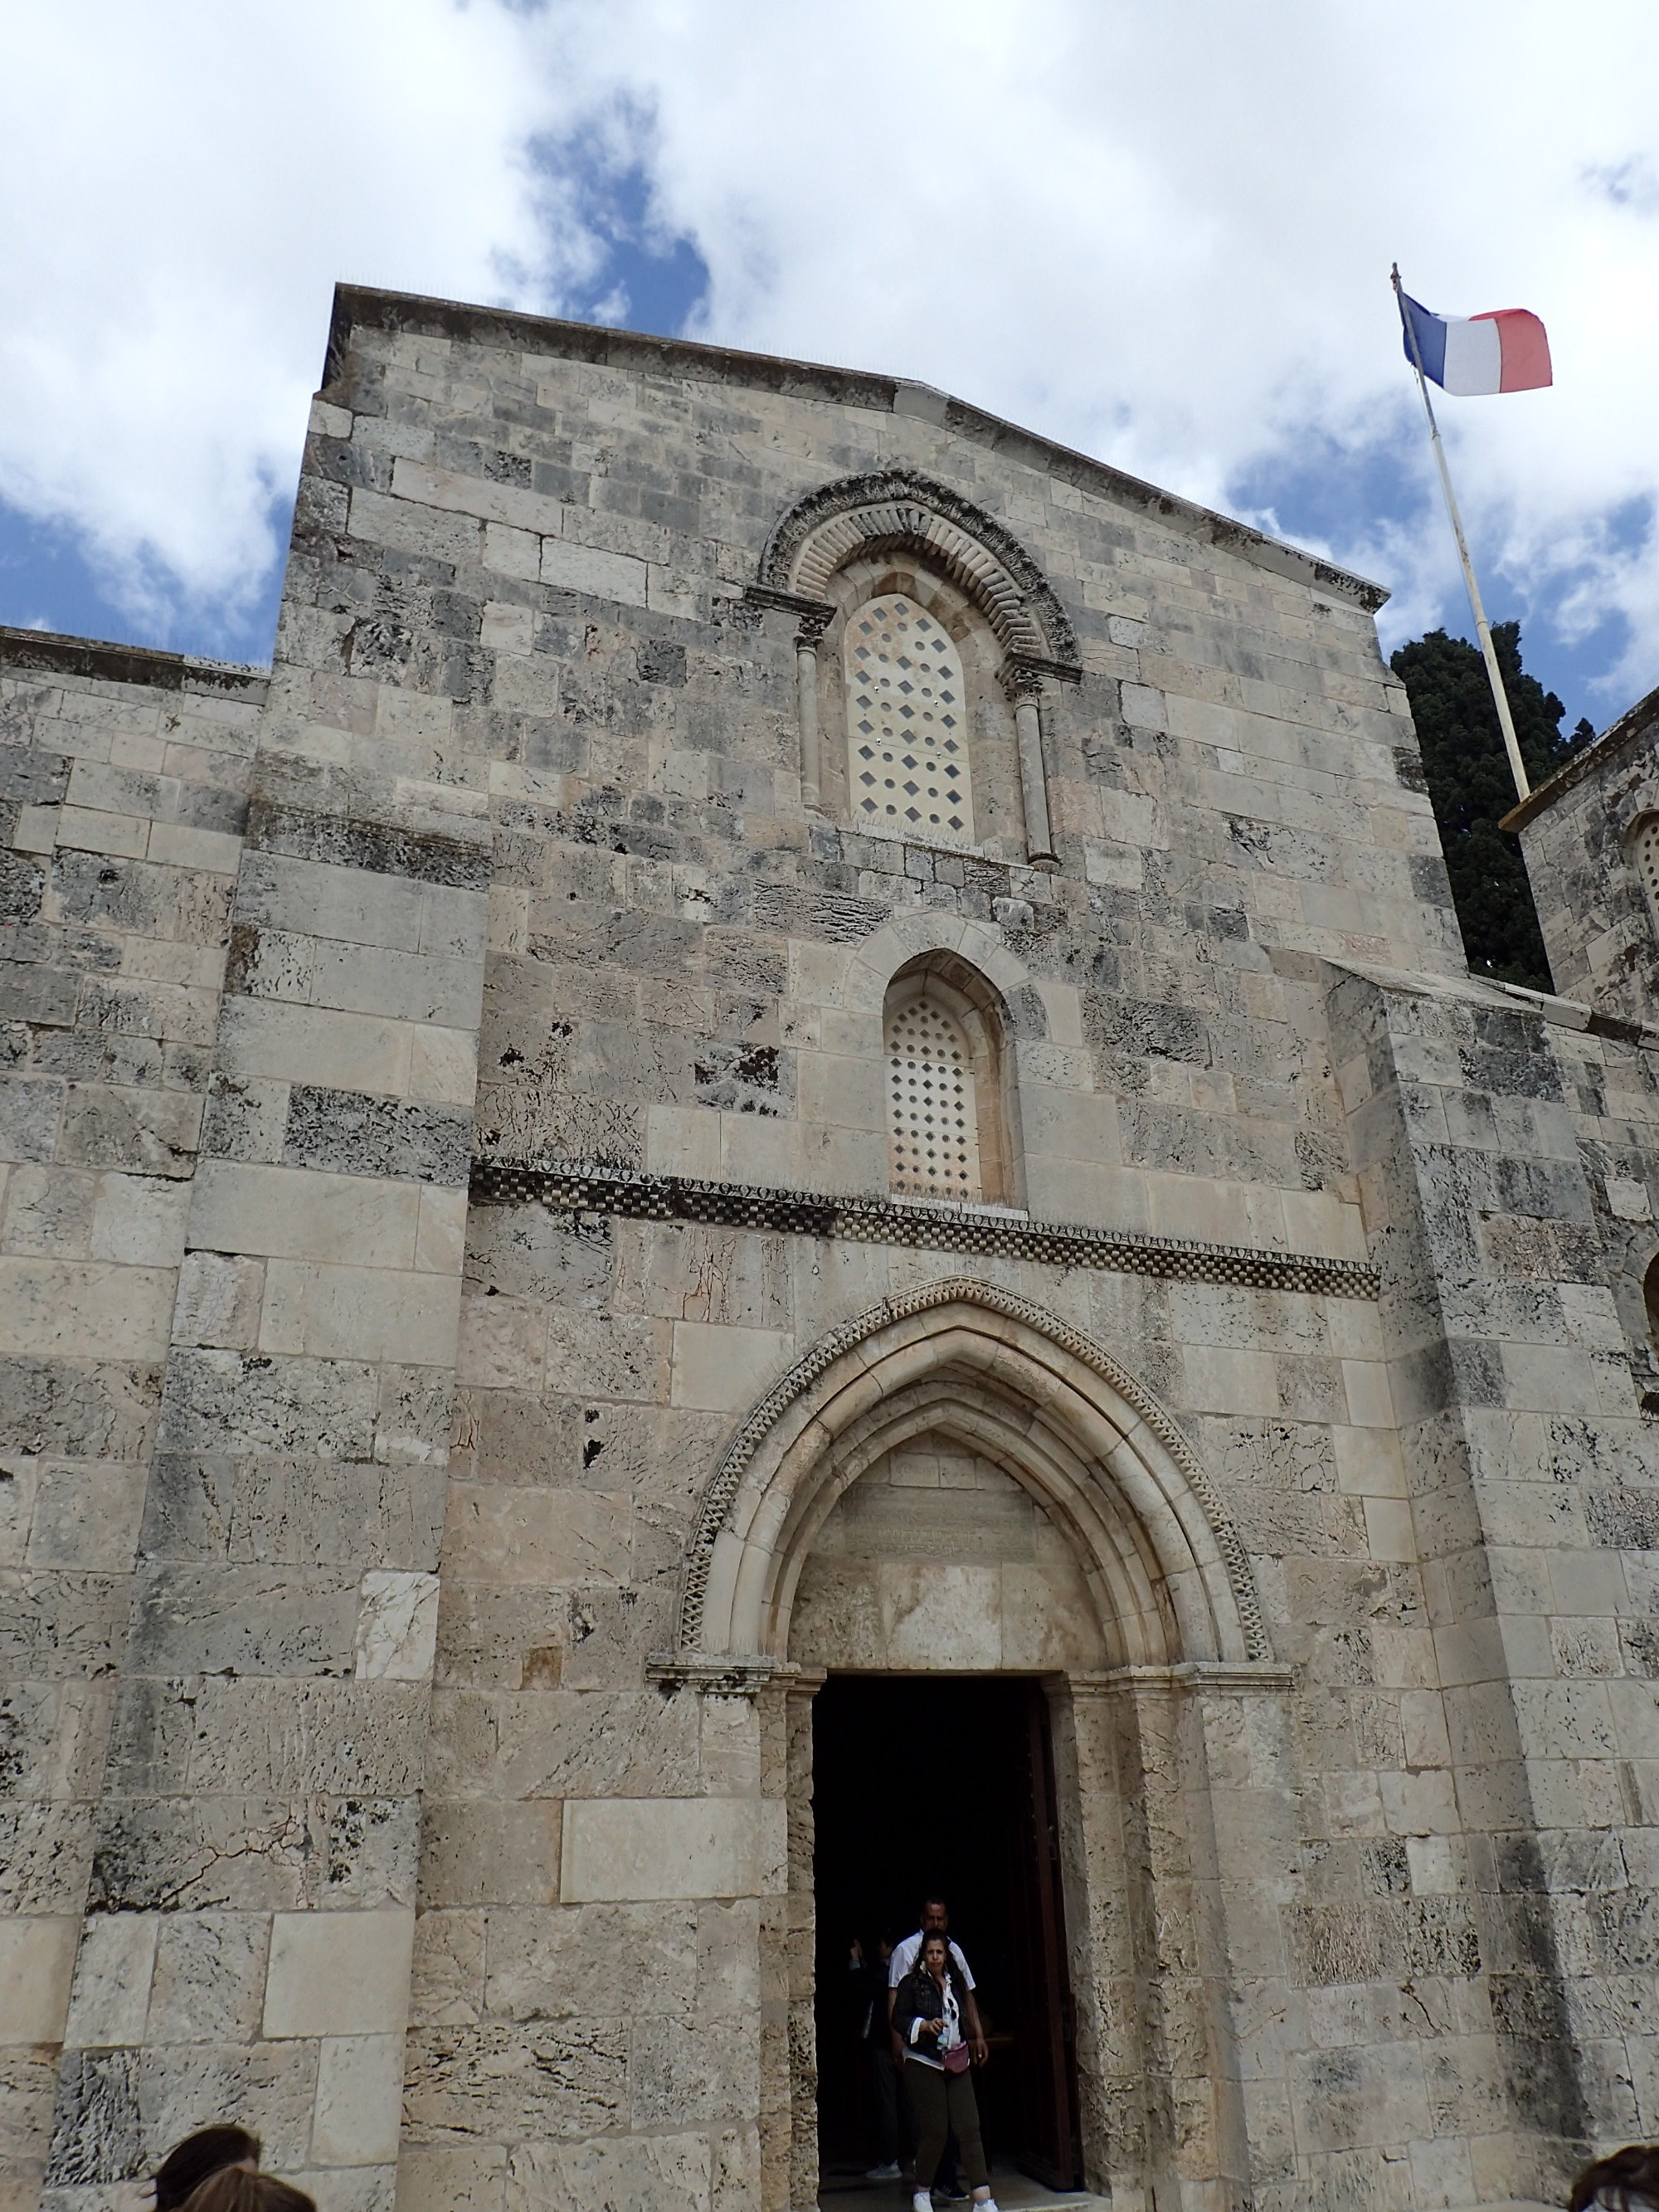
1483, 628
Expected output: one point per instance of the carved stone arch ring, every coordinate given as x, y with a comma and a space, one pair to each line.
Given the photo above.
1170, 1495
901, 507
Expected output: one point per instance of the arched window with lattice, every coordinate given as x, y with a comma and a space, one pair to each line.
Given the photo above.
948, 1121
1645, 851
906, 728
933, 1116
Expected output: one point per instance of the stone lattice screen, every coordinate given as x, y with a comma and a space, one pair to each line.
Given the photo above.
907, 734
933, 1113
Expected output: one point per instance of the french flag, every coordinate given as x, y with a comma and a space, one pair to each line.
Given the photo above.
1505, 350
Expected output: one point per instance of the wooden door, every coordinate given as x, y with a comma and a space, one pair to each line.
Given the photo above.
1050, 2147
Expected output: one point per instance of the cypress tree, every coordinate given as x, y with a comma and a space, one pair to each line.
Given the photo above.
1470, 787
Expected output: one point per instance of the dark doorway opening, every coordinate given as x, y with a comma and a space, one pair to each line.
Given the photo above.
938, 1786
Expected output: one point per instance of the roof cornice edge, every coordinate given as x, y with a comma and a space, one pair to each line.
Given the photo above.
1616, 738
48, 652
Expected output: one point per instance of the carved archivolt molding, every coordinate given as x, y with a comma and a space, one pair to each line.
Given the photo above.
902, 508
715, 1513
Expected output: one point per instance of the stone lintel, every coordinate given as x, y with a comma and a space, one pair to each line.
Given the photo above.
789, 603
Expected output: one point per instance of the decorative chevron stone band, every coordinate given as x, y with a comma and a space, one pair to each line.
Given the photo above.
582, 1187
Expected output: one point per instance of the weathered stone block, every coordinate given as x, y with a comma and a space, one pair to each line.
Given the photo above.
493, 2081
338, 1973
670, 1847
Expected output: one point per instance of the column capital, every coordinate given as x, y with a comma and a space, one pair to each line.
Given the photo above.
1020, 679
723, 1673
807, 612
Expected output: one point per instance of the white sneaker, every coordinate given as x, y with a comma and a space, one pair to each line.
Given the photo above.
888, 2172
921, 2200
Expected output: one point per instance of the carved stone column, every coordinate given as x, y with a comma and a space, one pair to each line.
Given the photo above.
807, 640
1023, 686
1163, 1757
800, 1945
789, 2059
813, 617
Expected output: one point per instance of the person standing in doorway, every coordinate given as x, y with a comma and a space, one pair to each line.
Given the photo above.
936, 1921
875, 2004
929, 2008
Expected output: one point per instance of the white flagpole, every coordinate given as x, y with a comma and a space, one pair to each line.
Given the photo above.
1482, 629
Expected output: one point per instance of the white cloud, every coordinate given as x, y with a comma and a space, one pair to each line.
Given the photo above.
1161, 234
180, 185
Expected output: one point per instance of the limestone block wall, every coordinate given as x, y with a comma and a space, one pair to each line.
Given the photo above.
1611, 1084
1578, 834
1529, 1473
685, 978
605, 1366
124, 777
1235, 766
252, 1902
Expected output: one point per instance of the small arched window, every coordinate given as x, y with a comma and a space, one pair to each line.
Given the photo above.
933, 1114
907, 730
949, 1123
1650, 1293
1645, 851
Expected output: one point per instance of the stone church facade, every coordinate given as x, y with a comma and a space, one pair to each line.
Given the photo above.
799, 1036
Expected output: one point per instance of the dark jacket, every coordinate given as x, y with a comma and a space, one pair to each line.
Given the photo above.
918, 1997
866, 1989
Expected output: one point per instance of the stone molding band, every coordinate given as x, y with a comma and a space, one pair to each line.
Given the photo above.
1224, 1677
583, 1187
746, 1674
716, 1674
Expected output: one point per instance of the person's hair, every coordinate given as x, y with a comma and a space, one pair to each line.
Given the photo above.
1627, 2179
939, 1901
234, 2189
208, 2152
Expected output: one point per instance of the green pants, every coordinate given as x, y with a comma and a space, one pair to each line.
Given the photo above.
940, 2102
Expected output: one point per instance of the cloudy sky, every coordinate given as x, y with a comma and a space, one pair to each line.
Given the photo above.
1159, 233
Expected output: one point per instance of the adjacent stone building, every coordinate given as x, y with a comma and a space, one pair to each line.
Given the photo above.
804, 1050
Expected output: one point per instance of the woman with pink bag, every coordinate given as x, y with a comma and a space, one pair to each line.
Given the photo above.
927, 2016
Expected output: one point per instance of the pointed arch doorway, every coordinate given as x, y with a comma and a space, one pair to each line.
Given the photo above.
1073, 1542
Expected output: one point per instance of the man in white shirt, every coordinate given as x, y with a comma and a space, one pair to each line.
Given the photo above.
935, 1921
